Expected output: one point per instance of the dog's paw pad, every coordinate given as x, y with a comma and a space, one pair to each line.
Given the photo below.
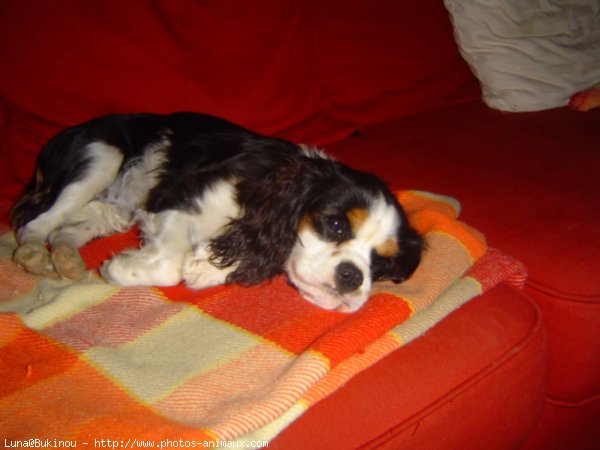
67, 262
34, 258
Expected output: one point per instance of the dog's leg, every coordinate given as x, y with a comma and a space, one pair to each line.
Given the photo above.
32, 254
96, 219
200, 273
160, 260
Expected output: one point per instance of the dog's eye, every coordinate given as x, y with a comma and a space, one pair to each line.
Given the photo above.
336, 224
333, 227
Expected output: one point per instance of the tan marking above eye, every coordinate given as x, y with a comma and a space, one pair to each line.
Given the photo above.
39, 177
356, 217
388, 249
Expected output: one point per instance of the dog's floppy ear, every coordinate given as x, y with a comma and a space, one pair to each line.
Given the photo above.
411, 248
260, 241
401, 266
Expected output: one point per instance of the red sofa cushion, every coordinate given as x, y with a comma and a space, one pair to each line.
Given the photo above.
381, 60
74, 60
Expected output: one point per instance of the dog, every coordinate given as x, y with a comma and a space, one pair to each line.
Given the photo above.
215, 204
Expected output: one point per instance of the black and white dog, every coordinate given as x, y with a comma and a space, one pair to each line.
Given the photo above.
215, 204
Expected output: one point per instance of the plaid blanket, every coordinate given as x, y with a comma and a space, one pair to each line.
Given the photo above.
90, 360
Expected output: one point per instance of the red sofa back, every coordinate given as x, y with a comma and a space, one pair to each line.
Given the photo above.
311, 70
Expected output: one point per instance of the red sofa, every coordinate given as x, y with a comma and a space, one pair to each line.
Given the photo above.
381, 86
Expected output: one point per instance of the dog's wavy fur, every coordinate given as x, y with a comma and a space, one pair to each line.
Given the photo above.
215, 203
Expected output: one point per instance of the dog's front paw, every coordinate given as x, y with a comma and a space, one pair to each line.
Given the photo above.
113, 271
34, 258
199, 273
142, 268
67, 262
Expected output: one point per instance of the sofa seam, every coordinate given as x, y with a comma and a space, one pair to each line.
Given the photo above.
576, 404
593, 299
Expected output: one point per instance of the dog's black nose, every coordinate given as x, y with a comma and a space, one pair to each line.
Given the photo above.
348, 277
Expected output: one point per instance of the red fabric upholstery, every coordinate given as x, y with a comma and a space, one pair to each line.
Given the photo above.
405, 78
317, 71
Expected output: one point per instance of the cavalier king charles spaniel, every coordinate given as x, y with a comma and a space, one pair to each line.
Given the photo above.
215, 204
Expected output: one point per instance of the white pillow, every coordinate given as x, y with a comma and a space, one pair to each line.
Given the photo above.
529, 54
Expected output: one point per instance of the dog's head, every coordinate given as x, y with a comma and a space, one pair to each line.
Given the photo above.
354, 234
332, 229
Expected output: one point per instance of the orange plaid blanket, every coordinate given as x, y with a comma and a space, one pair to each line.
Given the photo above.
89, 360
